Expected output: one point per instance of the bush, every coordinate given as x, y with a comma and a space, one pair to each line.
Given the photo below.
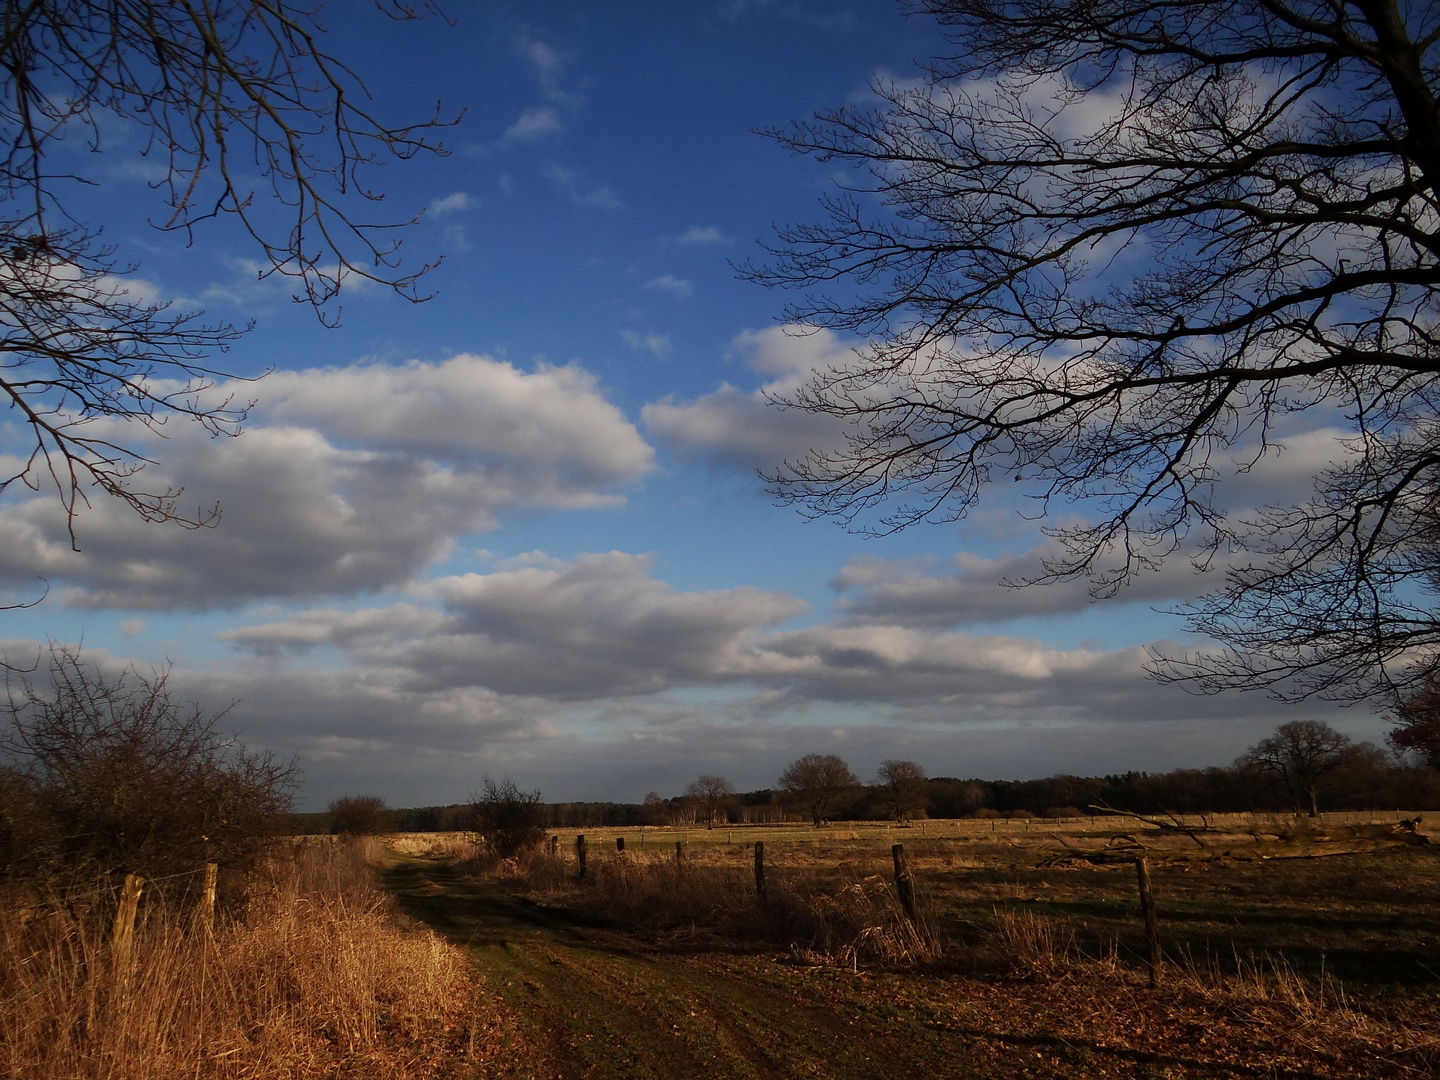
359, 815
509, 820
106, 774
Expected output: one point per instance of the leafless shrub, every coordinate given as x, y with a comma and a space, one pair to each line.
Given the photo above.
360, 815
108, 774
509, 820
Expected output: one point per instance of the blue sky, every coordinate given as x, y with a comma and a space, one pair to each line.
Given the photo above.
517, 529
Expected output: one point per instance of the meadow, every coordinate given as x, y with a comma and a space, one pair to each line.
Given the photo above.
419, 956
1025, 958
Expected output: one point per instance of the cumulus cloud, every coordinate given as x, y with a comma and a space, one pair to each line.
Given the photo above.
735, 428
598, 626
366, 728
347, 480
603, 625
981, 590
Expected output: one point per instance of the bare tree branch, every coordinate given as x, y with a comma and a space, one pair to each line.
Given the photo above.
1111, 248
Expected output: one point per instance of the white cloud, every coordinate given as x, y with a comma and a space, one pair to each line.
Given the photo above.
470, 410
535, 122
347, 480
603, 625
656, 344
578, 188
598, 626
734, 428
907, 591
668, 283
702, 234
450, 204
369, 728
548, 63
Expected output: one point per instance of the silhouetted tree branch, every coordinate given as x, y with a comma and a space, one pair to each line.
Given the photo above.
247, 115
1111, 248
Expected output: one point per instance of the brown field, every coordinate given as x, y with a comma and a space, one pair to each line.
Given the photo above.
1025, 959
1019, 965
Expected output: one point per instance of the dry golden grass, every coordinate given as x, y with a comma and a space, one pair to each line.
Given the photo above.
845, 917
317, 976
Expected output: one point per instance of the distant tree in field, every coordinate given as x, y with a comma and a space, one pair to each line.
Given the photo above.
509, 820
1417, 728
360, 815
106, 773
818, 784
902, 786
710, 794
1299, 755
654, 810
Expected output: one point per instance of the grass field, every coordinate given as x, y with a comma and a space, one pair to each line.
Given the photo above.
1025, 965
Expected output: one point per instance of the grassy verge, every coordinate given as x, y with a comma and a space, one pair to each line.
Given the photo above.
316, 974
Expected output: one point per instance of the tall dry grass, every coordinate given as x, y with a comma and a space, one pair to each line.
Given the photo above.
847, 919
315, 975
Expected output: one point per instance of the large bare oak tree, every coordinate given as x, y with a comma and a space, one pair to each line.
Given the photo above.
1111, 248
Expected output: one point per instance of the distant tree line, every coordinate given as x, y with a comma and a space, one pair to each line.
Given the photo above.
1303, 768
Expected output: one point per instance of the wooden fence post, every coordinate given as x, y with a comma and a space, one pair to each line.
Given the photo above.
122, 936
555, 845
580, 854
904, 884
760, 870
207, 898
679, 852
619, 843
1152, 924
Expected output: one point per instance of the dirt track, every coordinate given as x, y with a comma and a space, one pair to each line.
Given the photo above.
590, 1001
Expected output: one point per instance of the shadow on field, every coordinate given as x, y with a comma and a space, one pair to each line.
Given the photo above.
591, 1001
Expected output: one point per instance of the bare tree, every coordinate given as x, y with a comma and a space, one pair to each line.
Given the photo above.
509, 820
246, 115
1109, 248
360, 815
107, 774
710, 794
654, 810
902, 788
1299, 755
1417, 727
818, 784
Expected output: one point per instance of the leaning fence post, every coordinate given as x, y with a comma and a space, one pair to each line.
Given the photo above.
122, 936
904, 885
1152, 924
760, 870
580, 854
207, 898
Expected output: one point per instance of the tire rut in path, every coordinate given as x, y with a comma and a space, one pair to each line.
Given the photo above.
593, 1002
